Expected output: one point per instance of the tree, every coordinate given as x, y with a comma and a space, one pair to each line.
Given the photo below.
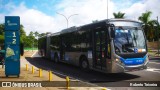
29, 40
157, 29
36, 34
1, 34
42, 35
22, 34
118, 15
1, 29
148, 24
158, 34
1, 39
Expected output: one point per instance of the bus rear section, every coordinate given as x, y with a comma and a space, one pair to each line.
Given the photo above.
44, 46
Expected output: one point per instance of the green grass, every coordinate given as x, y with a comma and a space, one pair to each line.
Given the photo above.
30, 48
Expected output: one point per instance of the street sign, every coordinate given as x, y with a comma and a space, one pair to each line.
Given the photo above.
12, 45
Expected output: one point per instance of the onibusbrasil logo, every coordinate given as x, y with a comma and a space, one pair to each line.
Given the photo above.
11, 24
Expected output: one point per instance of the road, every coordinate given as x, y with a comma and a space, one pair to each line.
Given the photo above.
110, 81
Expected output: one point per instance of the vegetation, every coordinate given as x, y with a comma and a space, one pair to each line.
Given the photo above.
151, 27
118, 15
148, 24
31, 41
28, 41
157, 30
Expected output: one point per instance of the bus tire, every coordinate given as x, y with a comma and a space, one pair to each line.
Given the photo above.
56, 59
84, 63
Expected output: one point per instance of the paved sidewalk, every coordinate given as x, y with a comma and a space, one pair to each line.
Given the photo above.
154, 54
28, 76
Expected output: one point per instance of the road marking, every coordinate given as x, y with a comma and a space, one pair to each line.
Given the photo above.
34, 54
153, 70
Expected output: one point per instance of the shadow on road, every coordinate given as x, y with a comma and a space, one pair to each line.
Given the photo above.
75, 72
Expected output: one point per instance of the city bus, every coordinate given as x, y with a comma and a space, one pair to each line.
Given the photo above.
110, 46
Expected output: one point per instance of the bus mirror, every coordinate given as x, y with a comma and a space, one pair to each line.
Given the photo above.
112, 31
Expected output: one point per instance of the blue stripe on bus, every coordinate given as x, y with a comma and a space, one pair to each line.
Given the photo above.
133, 61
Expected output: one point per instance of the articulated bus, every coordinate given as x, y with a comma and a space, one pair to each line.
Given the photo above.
110, 46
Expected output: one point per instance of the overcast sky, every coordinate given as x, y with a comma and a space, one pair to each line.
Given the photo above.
41, 15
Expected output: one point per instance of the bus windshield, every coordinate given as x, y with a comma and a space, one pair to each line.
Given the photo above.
129, 40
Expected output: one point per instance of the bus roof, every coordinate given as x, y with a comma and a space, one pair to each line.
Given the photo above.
120, 19
74, 28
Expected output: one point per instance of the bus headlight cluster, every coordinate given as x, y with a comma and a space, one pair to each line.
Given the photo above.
118, 60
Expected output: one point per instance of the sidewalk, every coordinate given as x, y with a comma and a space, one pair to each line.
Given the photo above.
153, 53
28, 76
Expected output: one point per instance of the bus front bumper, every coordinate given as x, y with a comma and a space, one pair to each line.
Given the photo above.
118, 68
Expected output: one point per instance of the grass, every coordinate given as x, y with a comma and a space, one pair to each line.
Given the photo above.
30, 48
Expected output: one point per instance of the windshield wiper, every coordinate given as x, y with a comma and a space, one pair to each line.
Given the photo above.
128, 47
135, 39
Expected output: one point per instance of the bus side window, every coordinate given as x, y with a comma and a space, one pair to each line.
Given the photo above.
109, 51
108, 46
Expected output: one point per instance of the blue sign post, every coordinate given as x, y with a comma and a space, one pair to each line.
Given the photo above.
12, 45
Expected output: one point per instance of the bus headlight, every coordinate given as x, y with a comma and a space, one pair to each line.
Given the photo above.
118, 60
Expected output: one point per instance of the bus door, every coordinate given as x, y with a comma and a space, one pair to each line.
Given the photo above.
62, 49
100, 48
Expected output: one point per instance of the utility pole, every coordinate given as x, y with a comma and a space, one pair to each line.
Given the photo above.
107, 9
158, 36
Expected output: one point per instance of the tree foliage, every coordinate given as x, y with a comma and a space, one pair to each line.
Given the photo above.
157, 29
1, 34
22, 34
148, 24
26, 40
1, 39
1, 29
36, 34
118, 15
42, 35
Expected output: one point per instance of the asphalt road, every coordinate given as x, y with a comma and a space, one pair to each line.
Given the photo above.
111, 81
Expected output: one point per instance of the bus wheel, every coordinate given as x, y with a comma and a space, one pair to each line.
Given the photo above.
84, 64
56, 59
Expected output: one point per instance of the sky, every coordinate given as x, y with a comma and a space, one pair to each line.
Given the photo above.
46, 15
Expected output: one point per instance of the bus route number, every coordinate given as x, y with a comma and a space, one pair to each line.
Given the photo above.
14, 40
